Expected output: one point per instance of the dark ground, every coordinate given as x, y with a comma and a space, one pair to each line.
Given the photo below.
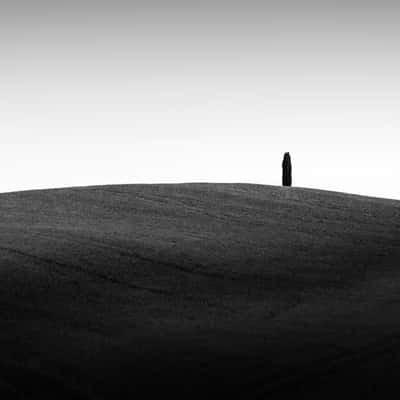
198, 291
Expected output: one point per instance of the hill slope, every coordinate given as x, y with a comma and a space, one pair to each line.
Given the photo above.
197, 289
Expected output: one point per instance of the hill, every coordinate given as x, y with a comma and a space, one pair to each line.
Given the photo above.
198, 290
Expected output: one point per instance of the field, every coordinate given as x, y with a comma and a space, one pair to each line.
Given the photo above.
198, 291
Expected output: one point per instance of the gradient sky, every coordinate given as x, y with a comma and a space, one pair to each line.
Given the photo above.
100, 92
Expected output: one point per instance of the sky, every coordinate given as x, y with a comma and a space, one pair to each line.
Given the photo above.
107, 92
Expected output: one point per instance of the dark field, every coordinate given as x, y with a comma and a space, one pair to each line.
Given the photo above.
198, 291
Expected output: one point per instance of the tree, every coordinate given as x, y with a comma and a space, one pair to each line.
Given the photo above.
286, 170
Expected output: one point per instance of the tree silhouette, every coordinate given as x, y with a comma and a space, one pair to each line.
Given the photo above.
286, 170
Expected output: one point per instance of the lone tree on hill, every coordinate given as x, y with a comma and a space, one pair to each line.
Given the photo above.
286, 170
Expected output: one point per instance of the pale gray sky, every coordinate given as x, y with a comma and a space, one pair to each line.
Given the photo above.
100, 92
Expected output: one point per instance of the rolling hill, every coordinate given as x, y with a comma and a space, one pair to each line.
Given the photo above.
198, 290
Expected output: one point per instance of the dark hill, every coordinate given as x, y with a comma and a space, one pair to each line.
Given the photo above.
198, 290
